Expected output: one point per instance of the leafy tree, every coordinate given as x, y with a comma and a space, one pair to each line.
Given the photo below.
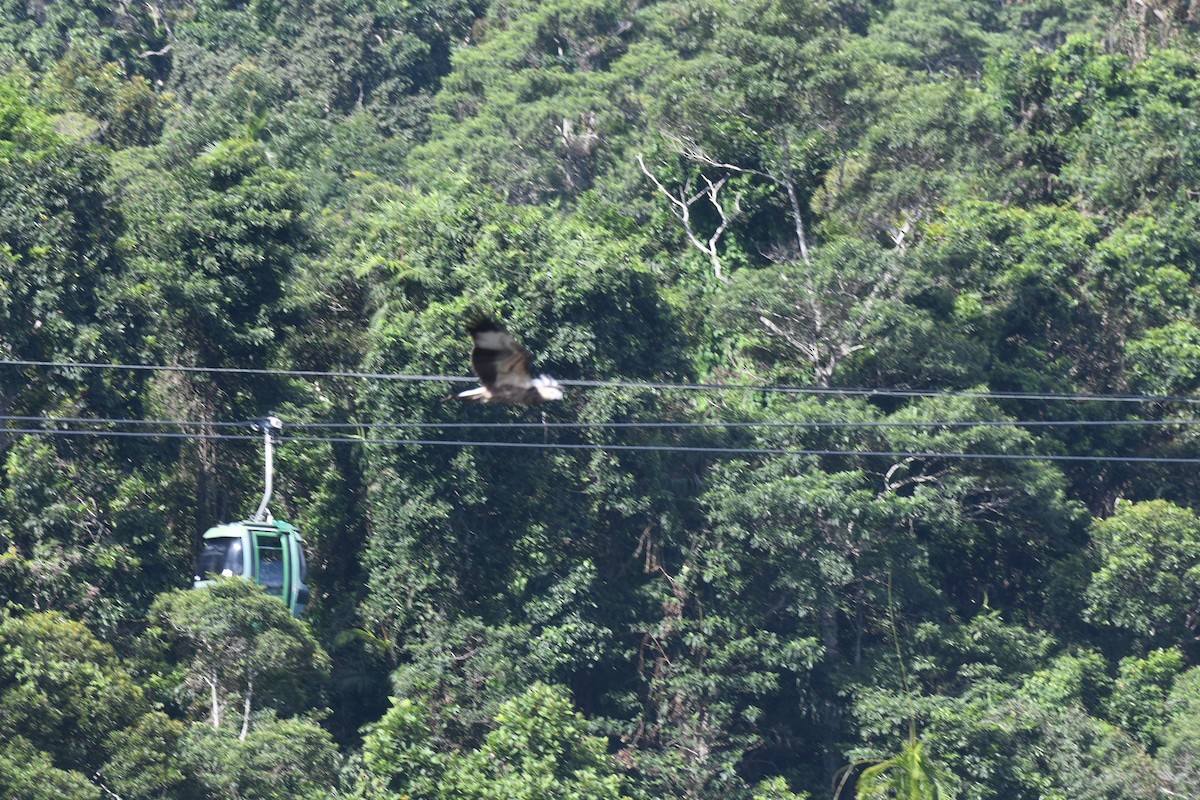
60, 275
1149, 107
75, 521
131, 35
1145, 583
1137, 703
1004, 726
145, 761
244, 651
126, 112
575, 310
539, 748
1048, 98
29, 774
938, 36
73, 514
213, 244
1011, 267
529, 112
1178, 756
844, 308
228, 228
752, 104
277, 759
931, 143
62, 695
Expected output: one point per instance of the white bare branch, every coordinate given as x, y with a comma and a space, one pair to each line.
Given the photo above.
694, 152
808, 348
683, 202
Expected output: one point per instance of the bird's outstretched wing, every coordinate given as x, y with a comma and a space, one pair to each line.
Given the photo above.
498, 359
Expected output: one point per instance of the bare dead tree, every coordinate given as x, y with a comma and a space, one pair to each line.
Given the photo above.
825, 315
162, 51
579, 142
682, 202
899, 234
789, 185
159, 16
784, 179
893, 484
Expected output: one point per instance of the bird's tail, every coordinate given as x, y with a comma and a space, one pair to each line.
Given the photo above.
547, 388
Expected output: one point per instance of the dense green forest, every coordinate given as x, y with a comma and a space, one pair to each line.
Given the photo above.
931, 240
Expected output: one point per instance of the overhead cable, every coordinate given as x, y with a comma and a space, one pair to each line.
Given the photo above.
285, 373
118, 421
622, 447
131, 434
653, 424
749, 424
645, 385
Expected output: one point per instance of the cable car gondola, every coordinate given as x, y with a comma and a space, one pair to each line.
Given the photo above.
267, 551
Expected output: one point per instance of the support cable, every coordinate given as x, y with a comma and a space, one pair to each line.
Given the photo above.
654, 424
645, 385
621, 447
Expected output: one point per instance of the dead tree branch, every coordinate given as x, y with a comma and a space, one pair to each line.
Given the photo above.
683, 202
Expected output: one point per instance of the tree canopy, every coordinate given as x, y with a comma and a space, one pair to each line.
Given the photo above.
874, 475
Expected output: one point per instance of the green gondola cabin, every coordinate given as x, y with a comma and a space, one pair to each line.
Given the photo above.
265, 550
270, 553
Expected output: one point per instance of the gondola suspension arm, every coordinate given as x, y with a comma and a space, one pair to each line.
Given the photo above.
270, 426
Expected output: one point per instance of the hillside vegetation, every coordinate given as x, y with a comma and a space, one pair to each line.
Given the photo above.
988, 211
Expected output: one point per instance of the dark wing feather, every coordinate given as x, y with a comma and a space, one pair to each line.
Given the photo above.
497, 358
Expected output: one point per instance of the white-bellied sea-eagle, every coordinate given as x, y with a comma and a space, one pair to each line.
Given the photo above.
503, 367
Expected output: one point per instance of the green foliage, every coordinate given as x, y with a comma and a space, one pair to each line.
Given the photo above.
1138, 149
1001, 726
529, 111
144, 762
220, 256
59, 277
243, 651
62, 694
125, 112
1178, 755
1148, 558
74, 516
836, 316
1166, 360
1138, 699
210, 246
549, 277
35, 36
276, 760
28, 773
776, 789
75, 523
914, 194
938, 36
910, 774
1024, 289
538, 748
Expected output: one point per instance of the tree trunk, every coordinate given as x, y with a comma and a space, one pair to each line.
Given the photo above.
246, 709
216, 705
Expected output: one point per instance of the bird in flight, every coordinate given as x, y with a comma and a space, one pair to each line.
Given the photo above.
503, 368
